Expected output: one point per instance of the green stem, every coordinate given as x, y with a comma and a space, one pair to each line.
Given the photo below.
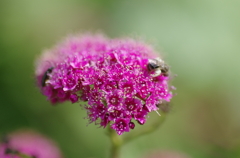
148, 129
116, 142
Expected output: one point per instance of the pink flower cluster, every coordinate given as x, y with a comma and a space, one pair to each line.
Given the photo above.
111, 75
28, 143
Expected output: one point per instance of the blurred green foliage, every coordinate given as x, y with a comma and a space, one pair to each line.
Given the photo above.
199, 39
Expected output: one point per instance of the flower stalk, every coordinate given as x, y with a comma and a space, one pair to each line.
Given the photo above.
116, 143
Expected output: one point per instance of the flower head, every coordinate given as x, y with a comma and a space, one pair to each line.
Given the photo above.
28, 143
111, 75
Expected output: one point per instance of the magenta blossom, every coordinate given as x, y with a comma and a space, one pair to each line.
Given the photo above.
28, 143
111, 75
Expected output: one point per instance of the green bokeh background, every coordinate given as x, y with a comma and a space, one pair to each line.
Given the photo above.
200, 39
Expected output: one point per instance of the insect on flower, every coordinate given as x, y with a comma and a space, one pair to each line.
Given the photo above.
158, 67
45, 76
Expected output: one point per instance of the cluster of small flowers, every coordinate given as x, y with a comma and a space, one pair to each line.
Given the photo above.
111, 75
29, 143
